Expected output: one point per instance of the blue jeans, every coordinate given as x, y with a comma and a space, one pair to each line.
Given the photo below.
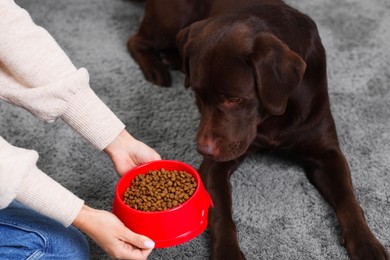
26, 234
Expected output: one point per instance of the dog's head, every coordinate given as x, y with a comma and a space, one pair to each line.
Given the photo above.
238, 75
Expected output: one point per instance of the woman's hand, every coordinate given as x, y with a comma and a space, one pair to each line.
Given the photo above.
127, 152
111, 235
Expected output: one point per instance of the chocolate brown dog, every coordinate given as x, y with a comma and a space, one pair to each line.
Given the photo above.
258, 70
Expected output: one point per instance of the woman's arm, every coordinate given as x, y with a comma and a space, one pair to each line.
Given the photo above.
36, 74
21, 179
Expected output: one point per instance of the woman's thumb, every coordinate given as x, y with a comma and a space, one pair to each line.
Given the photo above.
140, 241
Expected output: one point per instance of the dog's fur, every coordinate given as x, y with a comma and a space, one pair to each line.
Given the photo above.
258, 70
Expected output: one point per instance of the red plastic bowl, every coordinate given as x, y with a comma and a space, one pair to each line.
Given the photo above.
170, 227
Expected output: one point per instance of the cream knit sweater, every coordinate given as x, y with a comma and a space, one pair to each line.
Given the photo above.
38, 76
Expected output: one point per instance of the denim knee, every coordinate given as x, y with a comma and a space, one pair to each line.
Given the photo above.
28, 235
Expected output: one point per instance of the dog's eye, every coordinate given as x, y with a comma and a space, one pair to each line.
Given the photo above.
229, 100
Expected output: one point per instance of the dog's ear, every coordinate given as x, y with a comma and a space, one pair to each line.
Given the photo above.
184, 43
183, 47
278, 72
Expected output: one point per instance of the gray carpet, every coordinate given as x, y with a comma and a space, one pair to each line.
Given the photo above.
279, 215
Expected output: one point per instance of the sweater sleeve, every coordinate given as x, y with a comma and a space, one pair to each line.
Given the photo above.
37, 75
21, 179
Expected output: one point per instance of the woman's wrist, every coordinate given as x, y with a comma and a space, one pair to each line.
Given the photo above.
119, 144
81, 220
126, 152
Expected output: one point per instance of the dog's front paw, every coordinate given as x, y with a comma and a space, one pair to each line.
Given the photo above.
149, 61
365, 248
158, 74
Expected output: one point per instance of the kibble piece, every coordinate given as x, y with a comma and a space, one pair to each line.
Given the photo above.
159, 190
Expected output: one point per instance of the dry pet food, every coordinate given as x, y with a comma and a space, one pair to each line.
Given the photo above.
159, 190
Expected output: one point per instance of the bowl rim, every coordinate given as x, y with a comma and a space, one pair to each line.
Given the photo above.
192, 169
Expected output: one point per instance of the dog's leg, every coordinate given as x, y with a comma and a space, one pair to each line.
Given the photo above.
157, 31
216, 178
156, 37
148, 59
329, 173
171, 58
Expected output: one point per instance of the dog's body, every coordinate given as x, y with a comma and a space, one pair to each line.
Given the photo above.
258, 70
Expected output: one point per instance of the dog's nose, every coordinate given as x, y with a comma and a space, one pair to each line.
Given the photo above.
207, 148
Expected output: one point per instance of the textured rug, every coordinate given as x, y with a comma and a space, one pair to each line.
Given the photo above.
279, 215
